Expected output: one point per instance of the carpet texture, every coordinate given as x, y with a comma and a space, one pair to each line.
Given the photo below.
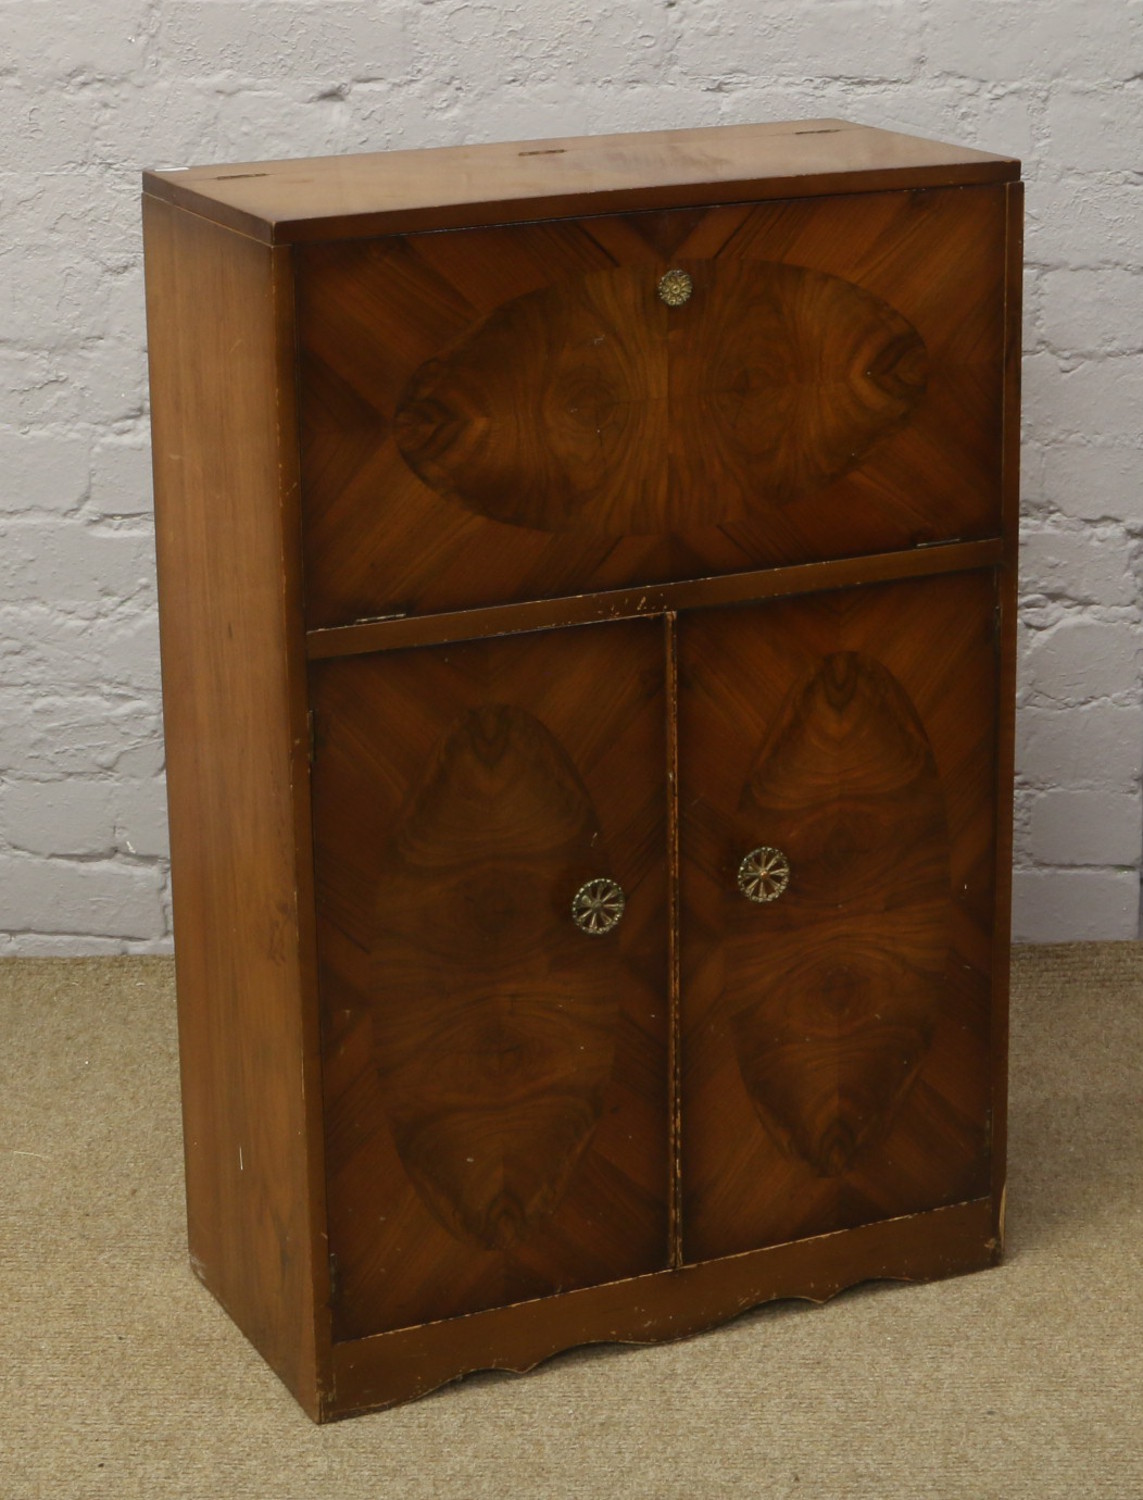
119, 1376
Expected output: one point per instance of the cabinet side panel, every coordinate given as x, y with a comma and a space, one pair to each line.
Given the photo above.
218, 325
1007, 605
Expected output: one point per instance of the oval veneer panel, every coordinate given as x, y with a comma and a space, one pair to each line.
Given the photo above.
848, 783
558, 410
552, 412
496, 1036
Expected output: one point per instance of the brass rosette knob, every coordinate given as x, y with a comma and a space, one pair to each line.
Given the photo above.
598, 906
675, 288
763, 874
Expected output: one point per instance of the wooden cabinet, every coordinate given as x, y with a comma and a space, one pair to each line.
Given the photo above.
586, 578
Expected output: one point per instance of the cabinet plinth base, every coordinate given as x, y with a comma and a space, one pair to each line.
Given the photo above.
390, 1368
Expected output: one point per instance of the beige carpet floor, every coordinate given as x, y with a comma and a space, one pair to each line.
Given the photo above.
119, 1376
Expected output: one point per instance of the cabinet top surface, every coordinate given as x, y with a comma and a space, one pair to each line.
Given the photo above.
391, 192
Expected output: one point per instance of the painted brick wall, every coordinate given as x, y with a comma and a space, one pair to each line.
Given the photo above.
91, 92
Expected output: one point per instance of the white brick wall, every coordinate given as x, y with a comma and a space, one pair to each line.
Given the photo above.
90, 93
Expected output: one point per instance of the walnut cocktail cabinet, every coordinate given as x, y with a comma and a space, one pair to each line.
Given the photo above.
586, 577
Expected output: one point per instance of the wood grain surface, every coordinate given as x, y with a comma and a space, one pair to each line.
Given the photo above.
495, 1078
218, 321
835, 1049
829, 1044
513, 414
393, 192
559, 410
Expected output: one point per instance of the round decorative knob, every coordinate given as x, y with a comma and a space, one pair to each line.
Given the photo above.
675, 288
763, 874
597, 906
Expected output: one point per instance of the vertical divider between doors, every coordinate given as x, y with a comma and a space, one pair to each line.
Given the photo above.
670, 641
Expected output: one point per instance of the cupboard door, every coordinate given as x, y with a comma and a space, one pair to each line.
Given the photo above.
495, 1065
527, 411
837, 892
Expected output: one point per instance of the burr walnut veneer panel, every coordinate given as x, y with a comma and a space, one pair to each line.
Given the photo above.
515, 413
836, 1041
496, 1083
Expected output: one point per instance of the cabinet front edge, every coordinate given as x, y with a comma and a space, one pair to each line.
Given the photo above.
390, 632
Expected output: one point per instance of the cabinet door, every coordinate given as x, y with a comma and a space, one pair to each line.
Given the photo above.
837, 890
517, 413
495, 1075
